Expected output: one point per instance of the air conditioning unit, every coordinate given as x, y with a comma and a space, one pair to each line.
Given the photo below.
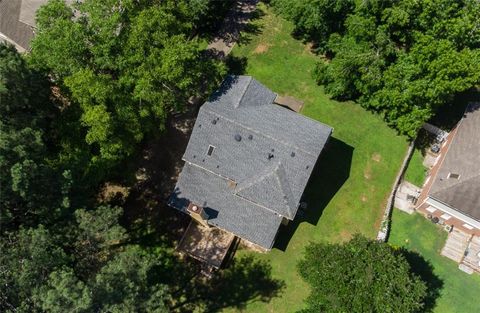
448, 228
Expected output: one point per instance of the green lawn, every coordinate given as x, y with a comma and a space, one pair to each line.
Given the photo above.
349, 189
460, 291
416, 172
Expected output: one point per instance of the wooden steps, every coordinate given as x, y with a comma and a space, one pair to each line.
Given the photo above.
472, 259
457, 243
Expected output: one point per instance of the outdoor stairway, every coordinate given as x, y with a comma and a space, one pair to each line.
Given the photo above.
457, 243
472, 259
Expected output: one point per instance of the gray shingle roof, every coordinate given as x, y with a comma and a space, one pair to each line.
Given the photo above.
10, 25
462, 158
261, 162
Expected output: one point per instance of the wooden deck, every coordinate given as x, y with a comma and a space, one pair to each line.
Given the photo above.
456, 245
206, 244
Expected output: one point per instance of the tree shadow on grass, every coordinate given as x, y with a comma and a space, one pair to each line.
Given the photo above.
247, 279
236, 65
424, 270
329, 175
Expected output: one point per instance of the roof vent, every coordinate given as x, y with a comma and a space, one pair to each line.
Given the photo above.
250, 137
453, 175
292, 154
270, 156
238, 137
214, 122
210, 150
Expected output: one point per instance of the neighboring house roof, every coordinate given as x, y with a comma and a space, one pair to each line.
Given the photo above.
262, 158
457, 182
17, 21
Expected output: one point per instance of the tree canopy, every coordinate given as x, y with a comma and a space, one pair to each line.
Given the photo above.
360, 276
125, 65
402, 59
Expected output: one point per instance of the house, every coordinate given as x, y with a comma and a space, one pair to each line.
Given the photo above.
451, 193
248, 162
17, 22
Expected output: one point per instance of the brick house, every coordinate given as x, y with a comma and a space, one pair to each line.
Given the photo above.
451, 192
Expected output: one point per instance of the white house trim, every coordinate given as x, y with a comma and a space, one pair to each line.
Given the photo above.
447, 209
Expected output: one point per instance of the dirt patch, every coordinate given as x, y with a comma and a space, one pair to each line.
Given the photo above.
367, 173
376, 157
261, 48
308, 48
111, 192
364, 198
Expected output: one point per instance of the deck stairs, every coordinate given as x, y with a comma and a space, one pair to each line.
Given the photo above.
472, 259
457, 243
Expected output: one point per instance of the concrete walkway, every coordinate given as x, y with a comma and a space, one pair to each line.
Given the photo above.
229, 32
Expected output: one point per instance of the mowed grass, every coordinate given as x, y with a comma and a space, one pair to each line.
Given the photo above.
416, 172
355, 174
460, 291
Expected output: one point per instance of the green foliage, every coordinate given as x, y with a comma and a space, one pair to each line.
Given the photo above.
315, 20
360, 276
97, 232
27, 259
404, 59
124, 285
125, 65
64, 292
32, 189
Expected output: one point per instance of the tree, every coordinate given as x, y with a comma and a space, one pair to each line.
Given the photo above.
32, 189
96, 234
385, 55
64, 292
360, 276
126, 65
422, 80
125, 285
28, 257
316, 20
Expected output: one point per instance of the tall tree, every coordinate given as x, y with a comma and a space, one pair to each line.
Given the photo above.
32, 188
360, 276
385, 57
125, 64
28, 257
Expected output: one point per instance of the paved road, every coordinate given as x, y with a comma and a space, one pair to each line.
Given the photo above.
229, 32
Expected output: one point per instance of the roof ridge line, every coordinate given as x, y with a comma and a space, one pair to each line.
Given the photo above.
284, 188
259, 178
250, 78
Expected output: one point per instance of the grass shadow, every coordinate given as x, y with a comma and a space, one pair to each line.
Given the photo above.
236, 65
424, 269
247, 279
329, 175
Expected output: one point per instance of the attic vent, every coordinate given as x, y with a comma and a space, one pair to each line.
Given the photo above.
238, 137
250, 137
210, 150
453, 175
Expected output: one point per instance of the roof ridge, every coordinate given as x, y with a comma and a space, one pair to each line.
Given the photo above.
250, 78
268, 171
285, 187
